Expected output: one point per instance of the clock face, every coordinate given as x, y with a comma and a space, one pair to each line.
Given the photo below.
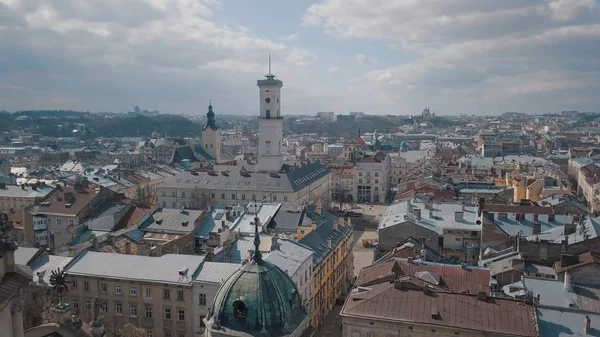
268, 100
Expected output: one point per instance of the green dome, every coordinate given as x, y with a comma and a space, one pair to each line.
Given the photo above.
259, 299
403, 146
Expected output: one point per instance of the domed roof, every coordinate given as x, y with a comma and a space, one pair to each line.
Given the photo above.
259, 299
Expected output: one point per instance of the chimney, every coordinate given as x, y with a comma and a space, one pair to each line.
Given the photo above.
459, 216
275, 243
329, 244
568, 284
431, 213
95, 244
587, 324
537, 228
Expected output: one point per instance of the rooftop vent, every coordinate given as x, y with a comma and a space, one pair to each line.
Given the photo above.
212, 173
158, 222
185, 223
435, 313
183, 271
68, 205
482, 296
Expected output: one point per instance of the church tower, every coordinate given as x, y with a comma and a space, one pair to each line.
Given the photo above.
270, 125
211, 135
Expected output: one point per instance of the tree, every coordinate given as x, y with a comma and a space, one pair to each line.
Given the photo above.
200, 199
343, 197
126, 330
145, 195
37, 306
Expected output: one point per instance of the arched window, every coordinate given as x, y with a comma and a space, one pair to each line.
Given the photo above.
240, 311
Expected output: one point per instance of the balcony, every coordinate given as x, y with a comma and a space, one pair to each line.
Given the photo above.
40, 226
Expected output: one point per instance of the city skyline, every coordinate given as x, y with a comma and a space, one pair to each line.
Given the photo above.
473, 57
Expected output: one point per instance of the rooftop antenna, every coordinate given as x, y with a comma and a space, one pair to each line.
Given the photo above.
269, 63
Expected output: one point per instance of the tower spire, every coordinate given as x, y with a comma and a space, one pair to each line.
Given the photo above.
257, 255
269, 63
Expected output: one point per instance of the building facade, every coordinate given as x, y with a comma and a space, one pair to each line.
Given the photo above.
211, 135
270, 124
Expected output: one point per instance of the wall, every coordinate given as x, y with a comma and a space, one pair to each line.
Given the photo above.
587, 274
357, 327
389, 237
157, 323
200, 311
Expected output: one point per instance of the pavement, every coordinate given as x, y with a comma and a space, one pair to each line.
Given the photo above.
332, 325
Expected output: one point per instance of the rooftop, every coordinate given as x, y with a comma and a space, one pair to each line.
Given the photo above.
14, 191
565, 323
66, 201
435, 216
172, 221
265, 212
165, 269
411, 304
215, 272
235, 180
289, 256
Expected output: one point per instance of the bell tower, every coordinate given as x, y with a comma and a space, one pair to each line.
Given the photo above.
270, 125
211, 135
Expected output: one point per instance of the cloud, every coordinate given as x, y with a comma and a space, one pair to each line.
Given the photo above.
364, 59
527, 55
291, 37
333, 70
101, 55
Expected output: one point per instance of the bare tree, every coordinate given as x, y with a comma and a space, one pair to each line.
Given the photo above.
343, 197
145, 195
125, 330
37, 305
200, 199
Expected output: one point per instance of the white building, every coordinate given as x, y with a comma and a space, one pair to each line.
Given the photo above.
295, 260
211, 135
372, 178
206, 283
270, 125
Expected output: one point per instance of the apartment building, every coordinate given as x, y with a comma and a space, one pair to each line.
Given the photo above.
56, 219
15, 198
372, 178
331, 239
342, 183
299, 186
154, 293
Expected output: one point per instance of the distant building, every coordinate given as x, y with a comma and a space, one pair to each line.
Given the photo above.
211, 135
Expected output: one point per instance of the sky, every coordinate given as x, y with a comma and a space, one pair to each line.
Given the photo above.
376, 56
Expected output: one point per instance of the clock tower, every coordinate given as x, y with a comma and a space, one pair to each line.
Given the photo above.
270, 125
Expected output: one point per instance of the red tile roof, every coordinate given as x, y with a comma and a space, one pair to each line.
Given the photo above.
411, 305
453, 277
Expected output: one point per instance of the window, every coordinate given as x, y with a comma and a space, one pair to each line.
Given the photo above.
181, 334
88, 305
222, 195
202, 299
285, 198
149, 333
180, 295
233, 196
118, 309
86, 285
376, 181
70, 222
74, 284
182, 194
168, 333
274, 198
148, 292
360, 174
174, 204
164, 194
132, 290
243, 197
132, 311
212, 195
148, 312
103, 287
174, 194
376, 174
104, 307
75, 304
118, 289
167, 313
360, 181
166, 294
58, 221
181, 315
164, 204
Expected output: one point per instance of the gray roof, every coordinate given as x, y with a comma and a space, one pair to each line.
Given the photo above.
245, 222
14, 191
289, 257
46, 264
512, 227
290, 220
253, 181
590, 229
164, 269
564, 323
172, 221
215, 272
24, 254
443, 215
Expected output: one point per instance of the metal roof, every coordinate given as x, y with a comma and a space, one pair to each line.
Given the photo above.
289, 257
164, 269
565, 323
171, 220
215, 272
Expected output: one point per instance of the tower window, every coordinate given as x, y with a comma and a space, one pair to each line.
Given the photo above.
239, 309
268, 114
